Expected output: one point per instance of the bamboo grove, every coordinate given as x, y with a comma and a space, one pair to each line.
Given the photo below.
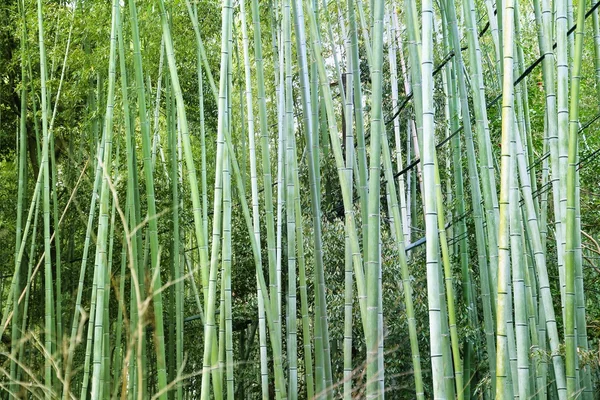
300, 199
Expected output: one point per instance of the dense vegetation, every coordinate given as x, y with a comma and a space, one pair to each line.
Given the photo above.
299, 199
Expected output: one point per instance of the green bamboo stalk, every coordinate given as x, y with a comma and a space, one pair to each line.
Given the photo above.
544, 182
596, 27
526, 247
334, 50
53, 170
543, 384
255, 203
374, 332
90, 333
500, 46
48, 328
265, 151
573, 236
102, 263
570, 38
582, 337
450, 298
413, 136
172, 335
300, 36
524, 113
156, 145
496, 37
288, 129
392, 34
406, 282
178, 275
200, 214
188, 264
414, 52
33, 246
119, 351
503, 387
322, 346
562, 96
281, 175
151, 202
218, 346
532, 305
199, 60
518, 282
358, 118
302, 287
348, 279
427, 160
279, 63
193, 13
209, 327
106, 359
218, 349
513, 379
545, 26
134, 239
365, 27
449, 381
21, 195
226, 310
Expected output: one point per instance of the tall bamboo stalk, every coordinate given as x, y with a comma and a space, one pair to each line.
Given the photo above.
428, 162
101, 264
288, 129
151, 202
48, 327
255, 201
503, 387
573, 236
374, 333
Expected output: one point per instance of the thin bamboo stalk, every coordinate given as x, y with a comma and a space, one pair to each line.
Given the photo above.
48, 326
102, 263
298, 14
288, 130
374, 332
255, 201
348, 278
227, 264
21, 195
265, 154
151, 202
428, 162
518, 281
503, 386
573, 235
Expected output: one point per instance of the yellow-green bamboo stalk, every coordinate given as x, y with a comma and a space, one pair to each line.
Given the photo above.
503, 387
